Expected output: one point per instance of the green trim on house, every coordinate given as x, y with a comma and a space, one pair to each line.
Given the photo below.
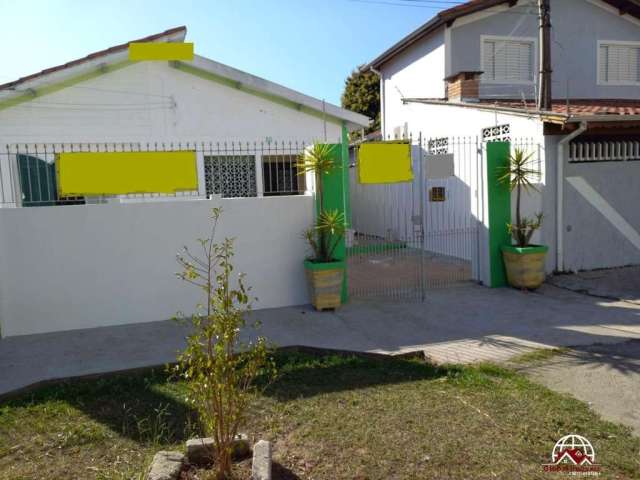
499, 197
318, 266
531, 249
222, 80
56, 87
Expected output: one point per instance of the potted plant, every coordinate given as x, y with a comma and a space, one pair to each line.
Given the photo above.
524, 262
325, 273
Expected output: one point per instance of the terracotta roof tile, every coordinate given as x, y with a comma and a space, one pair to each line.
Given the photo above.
579, 107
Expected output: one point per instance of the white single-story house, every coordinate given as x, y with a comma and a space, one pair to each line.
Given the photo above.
104, 97
472, 71
95, 261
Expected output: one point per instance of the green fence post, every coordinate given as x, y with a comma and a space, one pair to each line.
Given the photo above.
499, 208
336, 195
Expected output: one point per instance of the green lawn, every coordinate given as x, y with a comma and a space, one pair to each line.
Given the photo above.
330, 417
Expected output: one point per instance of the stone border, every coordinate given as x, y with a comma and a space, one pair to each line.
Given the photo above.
261, 464
168, 465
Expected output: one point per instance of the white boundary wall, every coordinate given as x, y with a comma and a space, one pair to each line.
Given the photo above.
84, 266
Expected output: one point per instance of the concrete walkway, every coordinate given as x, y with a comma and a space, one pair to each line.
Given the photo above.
613, 283
460, 325
607, 377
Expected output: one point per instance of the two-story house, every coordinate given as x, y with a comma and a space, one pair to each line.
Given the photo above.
472, 70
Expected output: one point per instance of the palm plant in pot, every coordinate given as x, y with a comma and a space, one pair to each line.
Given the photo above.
325, 273
524, 261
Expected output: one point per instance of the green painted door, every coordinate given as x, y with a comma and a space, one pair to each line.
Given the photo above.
37, 181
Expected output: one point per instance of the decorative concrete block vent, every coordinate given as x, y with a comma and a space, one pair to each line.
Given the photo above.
166, 466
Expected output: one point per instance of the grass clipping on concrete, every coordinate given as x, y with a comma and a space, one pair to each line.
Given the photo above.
329, 417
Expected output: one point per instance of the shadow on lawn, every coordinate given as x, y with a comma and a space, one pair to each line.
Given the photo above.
303, 374
141, 406
147, 407
623, 358
280, 472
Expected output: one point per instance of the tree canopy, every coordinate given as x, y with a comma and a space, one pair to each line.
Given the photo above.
362, 95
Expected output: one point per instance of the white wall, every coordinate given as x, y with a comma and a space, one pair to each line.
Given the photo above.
153, 102
85, 266
463, 126
598, 237
435, 121
418, 71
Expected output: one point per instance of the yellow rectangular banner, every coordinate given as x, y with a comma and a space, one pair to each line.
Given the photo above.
161, 51
119, 173
384, 162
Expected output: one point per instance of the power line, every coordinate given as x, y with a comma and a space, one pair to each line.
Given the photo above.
410, 5
439, 2
440, 6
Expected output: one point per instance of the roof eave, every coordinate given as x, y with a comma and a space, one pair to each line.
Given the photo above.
547, 116
74, 67
444, 18
431, 26
604, 118
248, 81
52, 80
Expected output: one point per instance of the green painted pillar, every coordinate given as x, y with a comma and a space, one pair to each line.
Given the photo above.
336, 194
499, 208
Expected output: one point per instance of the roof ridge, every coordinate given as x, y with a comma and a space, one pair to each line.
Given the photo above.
92, 56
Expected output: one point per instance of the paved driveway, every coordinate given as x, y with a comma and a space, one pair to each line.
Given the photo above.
614, 283
605, 376
463, 324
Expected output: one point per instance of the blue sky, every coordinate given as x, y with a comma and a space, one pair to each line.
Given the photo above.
307, 45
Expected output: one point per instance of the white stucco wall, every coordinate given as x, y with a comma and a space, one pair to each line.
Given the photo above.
153, 102
463, 127
417, 71
597, 237
83, 266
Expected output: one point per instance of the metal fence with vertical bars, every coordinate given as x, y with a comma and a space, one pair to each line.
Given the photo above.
583, 151
407, 238
232, 169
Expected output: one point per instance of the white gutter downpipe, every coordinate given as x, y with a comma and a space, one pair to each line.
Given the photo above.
560, 195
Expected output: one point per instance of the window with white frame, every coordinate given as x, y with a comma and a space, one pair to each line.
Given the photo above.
508, 60
619, 63
280, 175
